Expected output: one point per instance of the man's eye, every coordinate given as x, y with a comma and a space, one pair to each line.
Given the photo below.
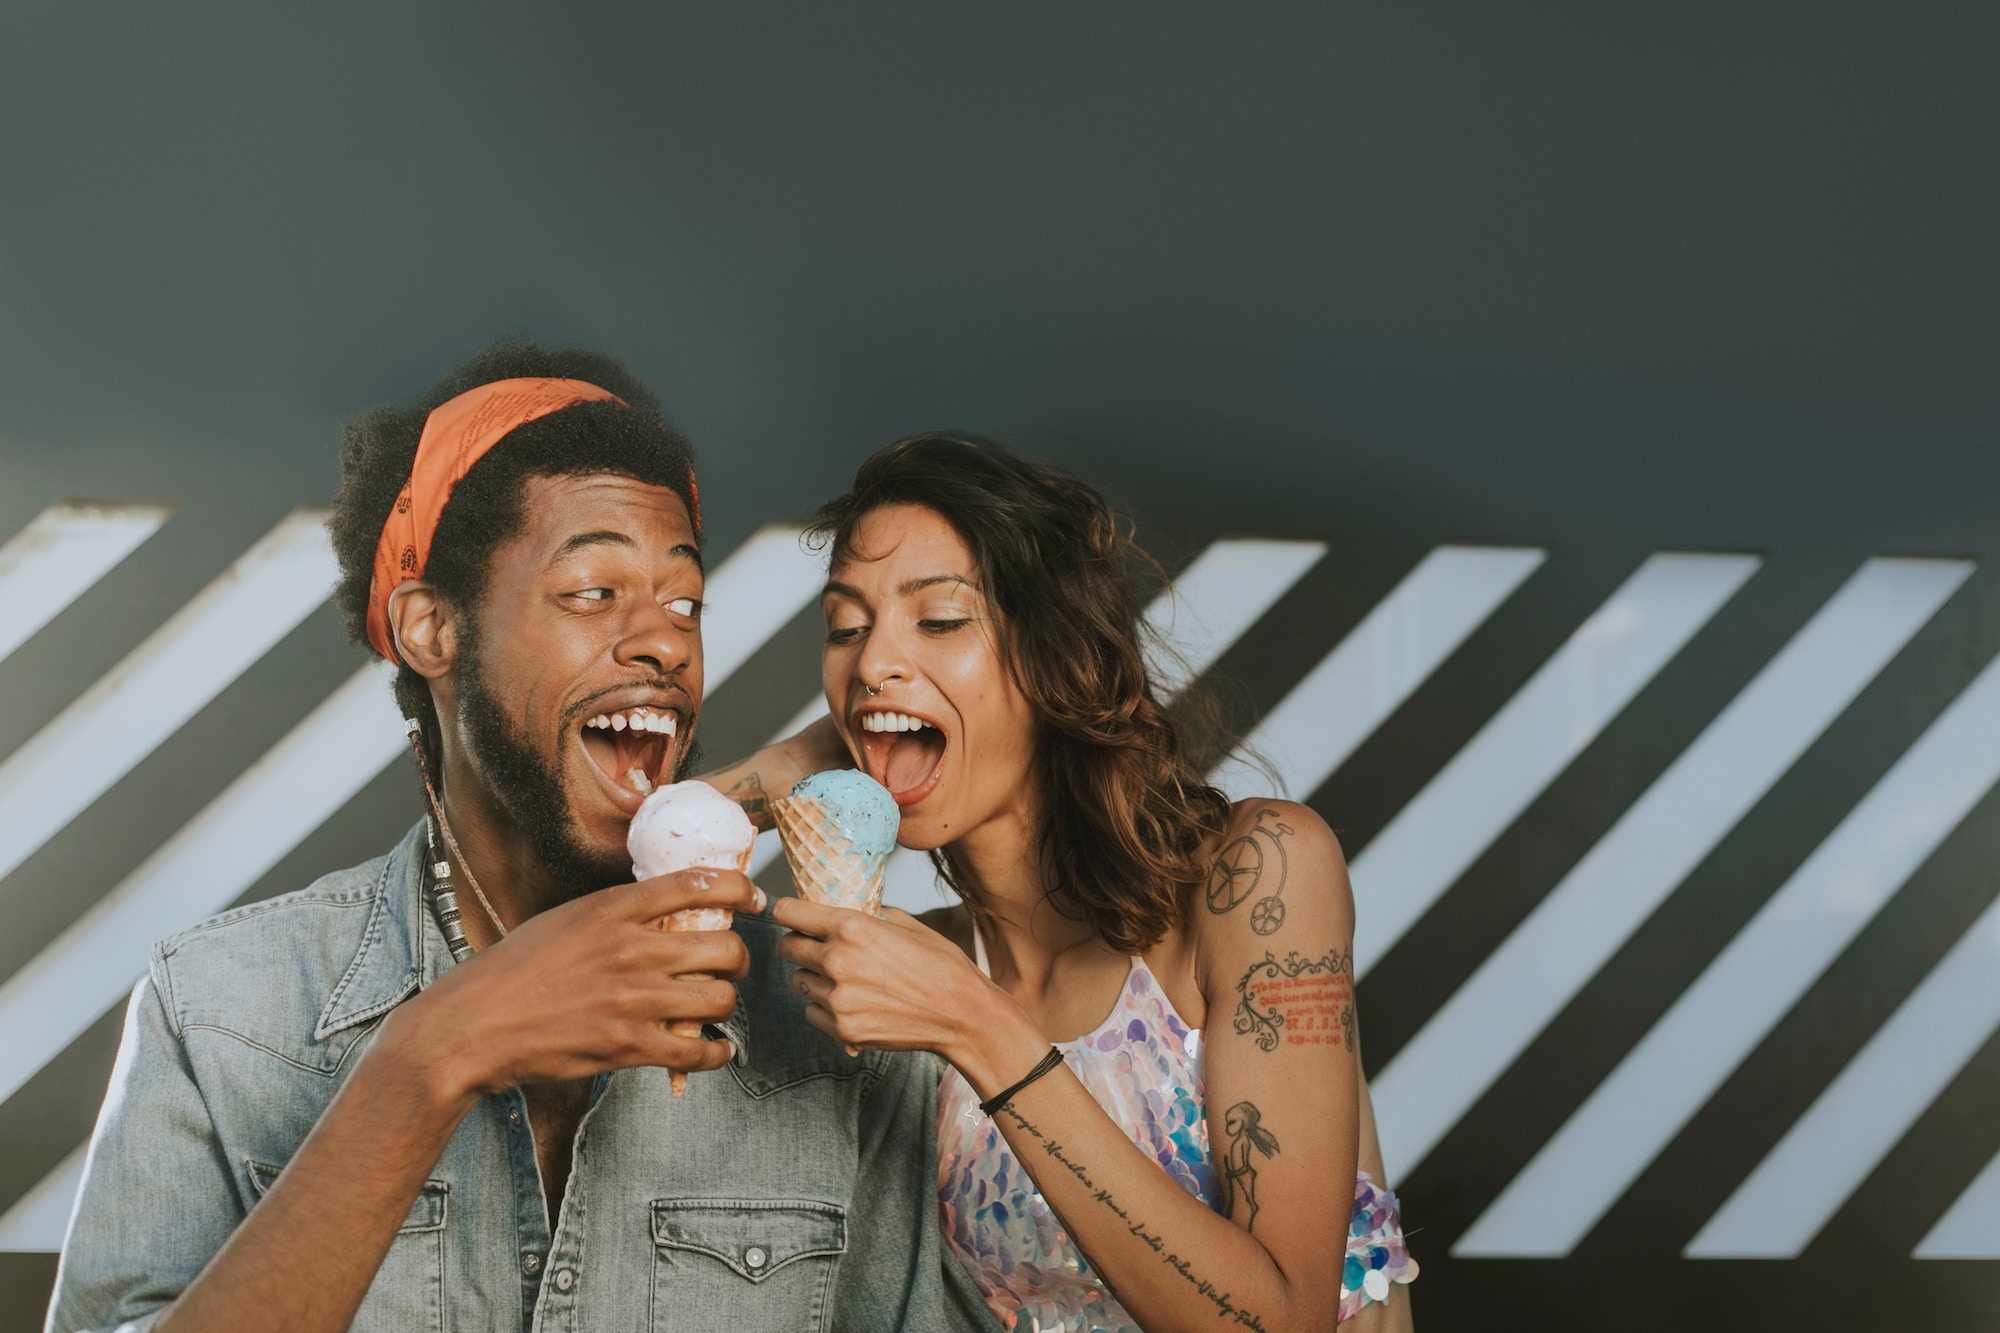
593, 594
685, 606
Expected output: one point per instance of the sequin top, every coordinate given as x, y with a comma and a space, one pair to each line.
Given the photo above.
1143, 1065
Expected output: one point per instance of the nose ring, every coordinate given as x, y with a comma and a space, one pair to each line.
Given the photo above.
874, 690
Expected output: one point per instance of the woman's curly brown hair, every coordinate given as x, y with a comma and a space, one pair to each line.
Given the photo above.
1127, 812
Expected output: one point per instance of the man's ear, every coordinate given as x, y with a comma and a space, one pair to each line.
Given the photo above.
426, 631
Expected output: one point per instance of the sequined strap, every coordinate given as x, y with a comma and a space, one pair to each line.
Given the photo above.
1376, 1255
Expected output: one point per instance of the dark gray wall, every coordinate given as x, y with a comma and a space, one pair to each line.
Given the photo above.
1608, 280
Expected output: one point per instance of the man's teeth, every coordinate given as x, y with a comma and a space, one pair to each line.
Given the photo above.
891, 722
640, 782
637, 719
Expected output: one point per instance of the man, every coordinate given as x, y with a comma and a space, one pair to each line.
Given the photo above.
432, 1091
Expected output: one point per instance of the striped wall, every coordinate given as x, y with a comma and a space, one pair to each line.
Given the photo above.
1684, 949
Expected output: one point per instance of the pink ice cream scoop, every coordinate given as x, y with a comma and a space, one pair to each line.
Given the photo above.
679, 827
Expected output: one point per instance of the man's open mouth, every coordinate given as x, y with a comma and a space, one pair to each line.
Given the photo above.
902, 752
634, 746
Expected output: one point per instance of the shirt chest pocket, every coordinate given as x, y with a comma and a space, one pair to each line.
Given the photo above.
408, 1291
769, 1263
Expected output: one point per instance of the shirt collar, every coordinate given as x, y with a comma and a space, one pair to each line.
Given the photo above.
401, 948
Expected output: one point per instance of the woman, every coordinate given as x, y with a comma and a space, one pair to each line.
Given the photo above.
1188, 959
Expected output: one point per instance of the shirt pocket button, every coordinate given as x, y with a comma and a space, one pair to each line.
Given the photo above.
754, 1257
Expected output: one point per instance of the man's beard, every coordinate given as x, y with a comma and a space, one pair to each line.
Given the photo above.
530, 789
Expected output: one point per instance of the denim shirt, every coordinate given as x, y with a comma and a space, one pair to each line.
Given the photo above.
794, 1189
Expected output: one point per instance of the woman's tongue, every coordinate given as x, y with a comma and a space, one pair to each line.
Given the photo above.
901, 761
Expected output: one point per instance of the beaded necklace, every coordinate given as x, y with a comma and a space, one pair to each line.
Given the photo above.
444, 894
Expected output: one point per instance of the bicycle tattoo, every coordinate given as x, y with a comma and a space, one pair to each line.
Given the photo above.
1241, 870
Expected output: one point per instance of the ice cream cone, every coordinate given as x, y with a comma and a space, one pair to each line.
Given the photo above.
680, 827
696, 918
826, 865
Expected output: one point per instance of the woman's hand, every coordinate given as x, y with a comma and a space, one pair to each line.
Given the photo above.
896, 984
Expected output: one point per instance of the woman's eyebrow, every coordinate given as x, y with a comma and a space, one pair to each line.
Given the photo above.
914, 586
909, 588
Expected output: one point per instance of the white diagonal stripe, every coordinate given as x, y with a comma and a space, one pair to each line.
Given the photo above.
1547, 723
1970, 1228
39, 1218
1211, 605
59, 555
1555, 951
1850, 1127
750, 596
162, 683
1214, 603
1716, 1023
335, 751
1393, 650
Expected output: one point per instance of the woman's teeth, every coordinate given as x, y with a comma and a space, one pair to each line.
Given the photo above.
637, 719
891, 722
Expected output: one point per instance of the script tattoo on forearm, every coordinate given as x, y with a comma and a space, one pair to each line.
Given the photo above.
1244, 1124
1247, 865
1224, 1307
1301, 1001
748, 793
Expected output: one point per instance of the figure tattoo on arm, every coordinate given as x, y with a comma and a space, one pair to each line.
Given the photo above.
1244, 866
1244, 1125
1301, 1001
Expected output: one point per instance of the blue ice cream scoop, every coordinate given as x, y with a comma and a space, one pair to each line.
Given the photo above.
863, 808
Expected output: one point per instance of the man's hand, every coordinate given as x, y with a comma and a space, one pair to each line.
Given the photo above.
583, 988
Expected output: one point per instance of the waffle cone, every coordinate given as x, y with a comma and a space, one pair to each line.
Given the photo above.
825, 866
696, 918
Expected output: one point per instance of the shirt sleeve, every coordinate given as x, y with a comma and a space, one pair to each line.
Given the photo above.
157, 1198
898, 1272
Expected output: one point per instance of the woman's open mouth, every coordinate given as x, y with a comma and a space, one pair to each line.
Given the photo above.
903, 753
633, 748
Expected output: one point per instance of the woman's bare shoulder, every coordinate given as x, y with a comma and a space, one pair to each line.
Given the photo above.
1277, 863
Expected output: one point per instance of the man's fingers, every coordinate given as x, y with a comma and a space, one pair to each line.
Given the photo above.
720, 953
690, 1055
698, 998
685, 889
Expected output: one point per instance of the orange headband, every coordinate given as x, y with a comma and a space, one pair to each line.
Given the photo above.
456, 435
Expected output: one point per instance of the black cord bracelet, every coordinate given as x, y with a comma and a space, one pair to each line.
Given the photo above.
1048, 1062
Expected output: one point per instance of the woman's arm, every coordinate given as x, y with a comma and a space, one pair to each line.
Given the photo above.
1282, 1118
772, 771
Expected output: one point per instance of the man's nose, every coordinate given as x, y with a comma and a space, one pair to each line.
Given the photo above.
652, 640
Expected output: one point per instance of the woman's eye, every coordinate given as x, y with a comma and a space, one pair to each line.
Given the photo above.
844, 636
943, 626
685, 606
